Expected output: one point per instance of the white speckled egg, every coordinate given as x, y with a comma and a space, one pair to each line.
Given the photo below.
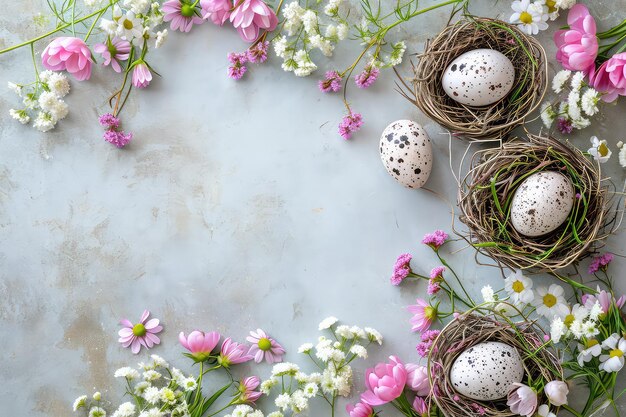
486, 371
479, 77
542, 203
406, 153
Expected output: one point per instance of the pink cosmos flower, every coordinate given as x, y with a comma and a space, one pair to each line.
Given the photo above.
368, 77
385, 382
435, 239
332, 82
246, 388
350, 124
199, 344
257, 54
417, 379
360, 410
216, 10
600, 263
237, 68
116, 50
69, 54
423, 315
118, 138
141, 75
522, 400
421, 407
233, 353
605, 299
427, 339
264, 347
143, 333
250, 16
182, 15
578, 45
401, 269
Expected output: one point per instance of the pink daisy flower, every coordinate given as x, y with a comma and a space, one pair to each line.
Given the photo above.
247, 387
143, 333
264, 347
423, 315
113, 51
181, 14
233, 353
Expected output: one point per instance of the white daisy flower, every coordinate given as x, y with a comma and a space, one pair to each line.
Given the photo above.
129, 27
560, 79
599, 150
530, 17
152, 395
519, 288
613, 361
589, 101
591, 349
328, 322
577, 81
550, 301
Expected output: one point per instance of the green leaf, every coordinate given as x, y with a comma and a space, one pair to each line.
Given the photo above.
207, 403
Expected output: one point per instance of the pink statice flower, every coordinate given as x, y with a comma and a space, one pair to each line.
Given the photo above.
141, 75
421, 407
368, 77
109, 121
423, 315
401, 269
435, 239
264, 347
361, 409
578, 44
332, 82
140, 334
68, 54
478, 409
385, 382
564, 125
118, 138
249, 17
233, 353
199, 344
216, 10
436, 277
417, 379
114, 51
427, 339
600, 263
257, 54
237, 68
182, 14
350, 124
246, 388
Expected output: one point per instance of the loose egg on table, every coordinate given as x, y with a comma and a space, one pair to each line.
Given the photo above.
479, 78
406, 152
541, 203
486, 371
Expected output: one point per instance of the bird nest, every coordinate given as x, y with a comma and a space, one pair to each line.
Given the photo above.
490, 122
472, 328
488, 188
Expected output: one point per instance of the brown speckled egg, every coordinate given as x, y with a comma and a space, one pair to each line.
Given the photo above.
541, 203
479, 78
486, 371
406, 153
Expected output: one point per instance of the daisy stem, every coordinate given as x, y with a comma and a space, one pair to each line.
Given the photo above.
93, 24
32, 53
73, 17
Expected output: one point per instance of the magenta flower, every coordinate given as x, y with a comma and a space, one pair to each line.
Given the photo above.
257, 54
350, 124
435, 239
522, 400
577, 45
216, 10
564, 125
616, 68
600, 263
417, 379
421, 407
385, 382
367, 77
113, 51
423, 315
109, 121
250, 16
233, 353
610, 78
246, 388
264, 347
69, 54
143, 333
141, 75
237, 68
119, 139
199, 344
360, 410
332, 82
436, 277
401, 269
427, 339
181, 14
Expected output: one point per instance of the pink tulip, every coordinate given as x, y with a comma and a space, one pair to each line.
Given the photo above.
250, 16
417, 379
522, 400
385, 382
421, 407
247, 393
141, 75
200, 344
578, 45
600, 79
360, 410
70, 54
216, 10
423, 315
233, 353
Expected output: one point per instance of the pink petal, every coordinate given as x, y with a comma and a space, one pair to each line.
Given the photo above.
144, 316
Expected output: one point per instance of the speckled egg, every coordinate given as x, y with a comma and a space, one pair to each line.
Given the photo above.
406, 153
479, 78
485, 371
542, 203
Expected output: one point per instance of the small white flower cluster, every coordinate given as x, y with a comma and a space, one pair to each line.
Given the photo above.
303, 32
137, 23
244, 410
42, 100
332, 357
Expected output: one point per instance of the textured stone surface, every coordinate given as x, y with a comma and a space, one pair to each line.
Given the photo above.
237, 206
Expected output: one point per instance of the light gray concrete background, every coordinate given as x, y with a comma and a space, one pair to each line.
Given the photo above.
237, 206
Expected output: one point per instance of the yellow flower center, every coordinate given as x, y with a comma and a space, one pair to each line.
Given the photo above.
603, 150
591, 343
518, 286
569, 319
128, 24
264, 344
139, 330
551, 6
616, 353
526, 18
430, 313
549, 300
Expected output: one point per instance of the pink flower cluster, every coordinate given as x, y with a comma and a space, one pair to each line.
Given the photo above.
68, 54
112, 133
332, 82
350, 124
436, 239
427, 339
368, 77
436, 277
605, 299
256, 54
249, 17
600, 263
401, 269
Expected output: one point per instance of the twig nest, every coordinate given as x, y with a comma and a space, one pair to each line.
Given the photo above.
534, 203
502, 81
509, 352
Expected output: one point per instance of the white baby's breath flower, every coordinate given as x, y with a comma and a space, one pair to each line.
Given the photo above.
151, 375
151, 412
342, 31
44, 122
305, 348
530, 17
299, 401
599, 150
283, 401
576, 327
97, 396
577, 81
189, 384
280, 46
560, 79
374, 335
488, 294
327, 323
126, 409
16, 88
44, 76
565, 4
255, 413
167, 395
276, 414
58, 84
152, 395
622, 157
93, 3
20, 115
160, 38
590, 329
309, 20
595, 311
589, 101
581, 123
557, 329
137, 6
310, 390
359, 351
59, 111
108, 26
47, 100
332, 8
97, 412
548, 115
285, 368
573, 108
159, 361
397, 54
79, 402
343, 331
267, 385
140, 387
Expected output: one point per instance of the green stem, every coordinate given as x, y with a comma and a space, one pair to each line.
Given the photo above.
457, 279
571, 410
93, 24
32, 53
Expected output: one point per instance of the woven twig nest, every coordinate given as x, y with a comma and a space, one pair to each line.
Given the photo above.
488, 122
487, 190
470, 329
